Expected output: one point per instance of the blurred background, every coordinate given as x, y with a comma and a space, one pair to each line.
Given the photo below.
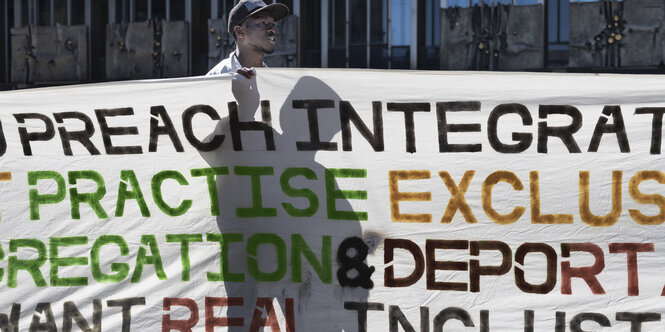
57, 42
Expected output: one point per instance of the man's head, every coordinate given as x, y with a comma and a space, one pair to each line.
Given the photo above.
257, 33
252, 23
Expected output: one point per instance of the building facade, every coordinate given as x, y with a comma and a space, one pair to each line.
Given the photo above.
52, 42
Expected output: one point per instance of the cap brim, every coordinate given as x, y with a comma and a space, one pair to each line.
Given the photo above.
278, 11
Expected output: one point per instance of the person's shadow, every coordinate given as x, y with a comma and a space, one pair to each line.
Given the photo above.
275, 197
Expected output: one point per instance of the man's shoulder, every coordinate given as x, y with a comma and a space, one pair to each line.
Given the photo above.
224, 66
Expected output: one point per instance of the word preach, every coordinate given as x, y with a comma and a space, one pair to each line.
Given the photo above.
162, 125
428, 263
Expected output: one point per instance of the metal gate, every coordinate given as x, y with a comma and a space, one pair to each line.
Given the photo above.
220, 42
614, 34
150, 49
47, 46
500, 37
644, 42
49, 54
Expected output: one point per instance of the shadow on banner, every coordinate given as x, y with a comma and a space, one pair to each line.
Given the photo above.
282, 242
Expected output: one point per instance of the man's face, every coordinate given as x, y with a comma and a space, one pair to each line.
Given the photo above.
259, 33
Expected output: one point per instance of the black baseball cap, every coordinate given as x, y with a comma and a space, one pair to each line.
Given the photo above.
247, 8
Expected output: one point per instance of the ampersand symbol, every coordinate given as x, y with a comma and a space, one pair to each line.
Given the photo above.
351, 257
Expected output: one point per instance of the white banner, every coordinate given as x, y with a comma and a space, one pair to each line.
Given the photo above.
335, 200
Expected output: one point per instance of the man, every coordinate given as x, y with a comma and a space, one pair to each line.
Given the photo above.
252, 24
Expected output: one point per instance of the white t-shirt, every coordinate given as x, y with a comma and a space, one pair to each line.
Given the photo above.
228, 65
